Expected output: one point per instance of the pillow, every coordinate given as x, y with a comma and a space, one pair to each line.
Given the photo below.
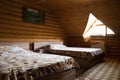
57, 46
11, 49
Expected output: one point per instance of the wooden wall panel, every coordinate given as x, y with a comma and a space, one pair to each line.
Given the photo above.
77, 41
112, 43
13, 27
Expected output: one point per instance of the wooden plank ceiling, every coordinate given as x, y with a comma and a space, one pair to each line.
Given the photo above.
73, 14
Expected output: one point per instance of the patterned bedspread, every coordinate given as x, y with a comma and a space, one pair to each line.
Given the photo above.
19, 64
84, 53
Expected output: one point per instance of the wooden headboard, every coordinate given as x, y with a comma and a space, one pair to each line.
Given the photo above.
41, 44
24, 45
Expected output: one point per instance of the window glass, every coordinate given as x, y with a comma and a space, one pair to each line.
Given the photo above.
96, 28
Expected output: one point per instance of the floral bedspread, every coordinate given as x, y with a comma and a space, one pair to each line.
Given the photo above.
84, 53
17, 63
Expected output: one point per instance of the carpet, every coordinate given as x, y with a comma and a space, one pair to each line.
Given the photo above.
108, 70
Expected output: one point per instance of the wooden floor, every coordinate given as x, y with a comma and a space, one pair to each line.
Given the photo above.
108, 70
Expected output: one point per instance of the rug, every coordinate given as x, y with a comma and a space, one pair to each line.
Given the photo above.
108, 70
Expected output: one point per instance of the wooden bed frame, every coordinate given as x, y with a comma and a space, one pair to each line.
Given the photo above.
42, 44
83, 63
64, 75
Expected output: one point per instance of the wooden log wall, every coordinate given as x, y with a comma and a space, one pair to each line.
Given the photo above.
77, 41
13, 27
112, 43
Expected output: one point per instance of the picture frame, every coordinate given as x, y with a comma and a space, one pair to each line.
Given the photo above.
34, 16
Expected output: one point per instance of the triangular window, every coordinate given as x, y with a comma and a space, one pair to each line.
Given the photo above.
96, 28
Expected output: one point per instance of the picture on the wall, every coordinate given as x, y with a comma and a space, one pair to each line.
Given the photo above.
34, 16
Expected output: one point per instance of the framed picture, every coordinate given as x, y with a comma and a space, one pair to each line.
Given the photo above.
34, 16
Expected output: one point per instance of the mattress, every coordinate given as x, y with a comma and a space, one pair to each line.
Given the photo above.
17, 63
84, 53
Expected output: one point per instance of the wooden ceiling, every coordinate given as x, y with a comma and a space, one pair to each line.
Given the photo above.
73, 14
60, 4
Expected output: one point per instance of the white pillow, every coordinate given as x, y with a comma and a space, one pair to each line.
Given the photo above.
55, 46
11, 49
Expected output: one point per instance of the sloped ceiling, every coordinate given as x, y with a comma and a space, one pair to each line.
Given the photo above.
73, 14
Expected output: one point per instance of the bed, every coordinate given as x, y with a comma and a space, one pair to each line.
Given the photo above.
17, 63
86, 57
